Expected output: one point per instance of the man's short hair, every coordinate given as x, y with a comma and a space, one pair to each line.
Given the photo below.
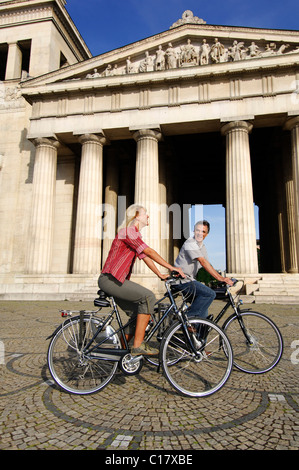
202, 222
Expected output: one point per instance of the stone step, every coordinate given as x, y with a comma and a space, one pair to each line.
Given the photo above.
268, 288
54, 279
275, 284
47, 288
290, 292
46, 296
247, 299
251, 288
276, 299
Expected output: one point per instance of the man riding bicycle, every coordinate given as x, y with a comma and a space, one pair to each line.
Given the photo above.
193, 255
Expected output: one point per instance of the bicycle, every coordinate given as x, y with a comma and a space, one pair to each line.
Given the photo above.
85, 350
256, 340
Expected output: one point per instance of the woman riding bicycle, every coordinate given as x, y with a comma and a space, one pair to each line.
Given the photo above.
133, 298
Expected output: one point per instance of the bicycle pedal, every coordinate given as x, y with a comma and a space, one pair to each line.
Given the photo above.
134, 359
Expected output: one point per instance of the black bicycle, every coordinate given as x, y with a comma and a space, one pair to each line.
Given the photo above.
256, 340
85, 350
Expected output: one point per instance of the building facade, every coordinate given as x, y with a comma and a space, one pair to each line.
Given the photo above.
197, 114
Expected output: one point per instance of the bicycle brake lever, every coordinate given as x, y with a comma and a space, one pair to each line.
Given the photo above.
175, 275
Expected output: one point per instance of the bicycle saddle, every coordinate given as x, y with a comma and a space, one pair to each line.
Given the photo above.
101, 301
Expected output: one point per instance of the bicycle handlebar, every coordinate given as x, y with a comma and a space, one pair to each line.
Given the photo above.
174, 276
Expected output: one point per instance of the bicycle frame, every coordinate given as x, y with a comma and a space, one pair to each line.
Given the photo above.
237, 310
117, 354
181, 316
229, 303
109, 353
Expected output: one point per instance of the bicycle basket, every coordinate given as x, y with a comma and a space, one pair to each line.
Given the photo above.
220, 291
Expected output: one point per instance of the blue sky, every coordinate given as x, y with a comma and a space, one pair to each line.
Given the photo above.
108, 25
215, 241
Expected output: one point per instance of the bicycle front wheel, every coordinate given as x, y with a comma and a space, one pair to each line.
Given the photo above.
196, 374
72, 369
256, 341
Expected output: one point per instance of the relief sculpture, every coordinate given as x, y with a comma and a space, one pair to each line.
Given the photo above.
171, 56
189, 55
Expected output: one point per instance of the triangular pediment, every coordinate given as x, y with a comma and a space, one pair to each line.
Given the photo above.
184, 46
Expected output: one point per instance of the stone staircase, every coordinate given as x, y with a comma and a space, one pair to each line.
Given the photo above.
261, 288
75, 287
60, 287
272, 289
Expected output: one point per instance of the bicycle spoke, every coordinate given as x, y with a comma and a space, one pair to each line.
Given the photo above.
199, 374
74, 370
261, 348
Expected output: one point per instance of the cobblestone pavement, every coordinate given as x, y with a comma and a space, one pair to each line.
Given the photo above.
140, 412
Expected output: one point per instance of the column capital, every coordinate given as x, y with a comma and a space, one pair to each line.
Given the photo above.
236, 125
147, 134
46, 142
96, 138
291, 123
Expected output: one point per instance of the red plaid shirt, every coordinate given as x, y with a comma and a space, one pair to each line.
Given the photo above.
126, 246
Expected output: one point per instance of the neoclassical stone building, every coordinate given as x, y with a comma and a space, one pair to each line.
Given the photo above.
197, 114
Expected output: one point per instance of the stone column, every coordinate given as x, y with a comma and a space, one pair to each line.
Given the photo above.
292, 266
88, 234
14, 62
147, 186
293, 125
281, 221
240, 224
42, 213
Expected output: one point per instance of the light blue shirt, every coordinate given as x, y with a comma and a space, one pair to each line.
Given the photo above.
188, 256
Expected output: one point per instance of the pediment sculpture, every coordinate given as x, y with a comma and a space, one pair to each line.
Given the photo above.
184, 55
188, 18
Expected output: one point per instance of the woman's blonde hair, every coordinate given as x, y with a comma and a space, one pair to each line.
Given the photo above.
131, 213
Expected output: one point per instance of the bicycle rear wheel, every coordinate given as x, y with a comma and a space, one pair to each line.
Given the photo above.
263, 347
201, 374
72, 369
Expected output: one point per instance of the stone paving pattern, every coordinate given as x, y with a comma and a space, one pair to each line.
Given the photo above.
143, 412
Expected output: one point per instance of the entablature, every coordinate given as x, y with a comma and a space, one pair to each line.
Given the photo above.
244, 72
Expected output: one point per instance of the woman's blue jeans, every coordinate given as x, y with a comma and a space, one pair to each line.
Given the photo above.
200, 295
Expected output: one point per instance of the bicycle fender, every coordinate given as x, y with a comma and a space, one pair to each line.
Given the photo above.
233, 315
61, 325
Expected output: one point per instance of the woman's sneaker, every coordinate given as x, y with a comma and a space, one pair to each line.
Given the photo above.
144, 350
